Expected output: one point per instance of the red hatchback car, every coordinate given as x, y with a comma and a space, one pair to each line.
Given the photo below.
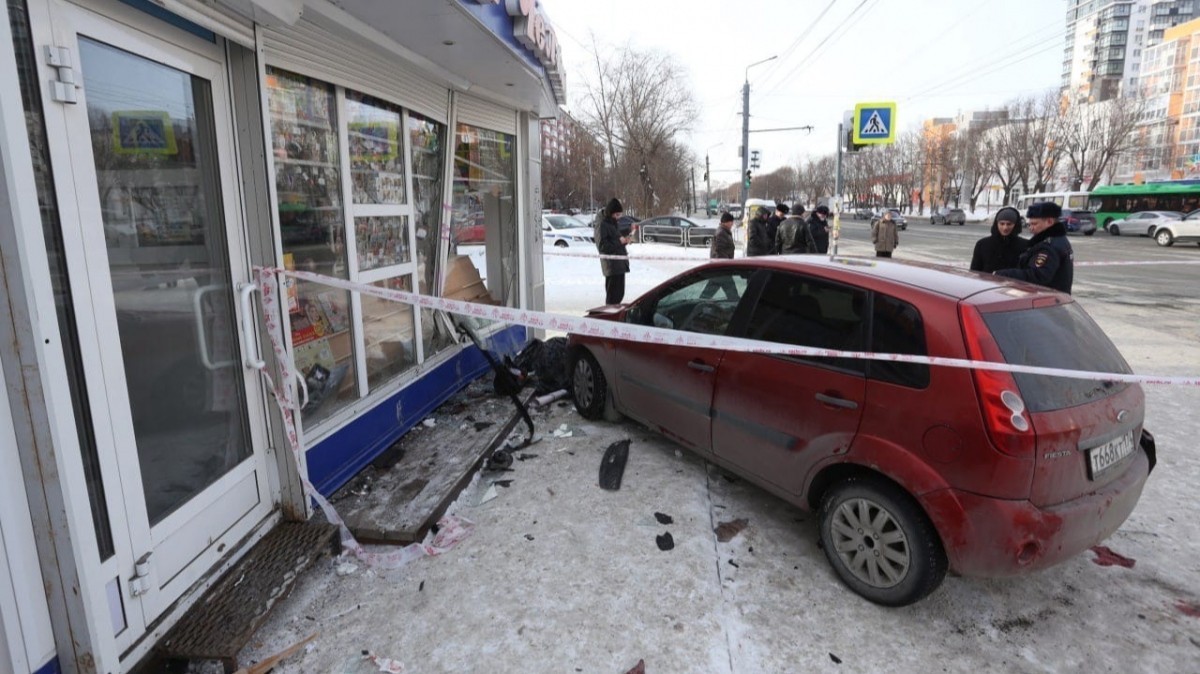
914, 469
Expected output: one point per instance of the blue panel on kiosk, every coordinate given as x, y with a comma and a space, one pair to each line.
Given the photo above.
49, 668
497, 20
339, 457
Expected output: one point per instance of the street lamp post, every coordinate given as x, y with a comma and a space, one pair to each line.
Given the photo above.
708, 178
746, 126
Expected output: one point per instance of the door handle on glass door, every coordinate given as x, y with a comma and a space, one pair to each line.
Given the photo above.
837, 402
201, 335
255, 361
701, 366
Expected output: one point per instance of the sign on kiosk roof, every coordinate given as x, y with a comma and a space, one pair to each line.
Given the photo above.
874, 123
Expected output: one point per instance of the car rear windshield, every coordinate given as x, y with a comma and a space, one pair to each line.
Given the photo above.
1063, 337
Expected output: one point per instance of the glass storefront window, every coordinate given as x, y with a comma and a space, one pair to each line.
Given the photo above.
382, 241
428, 142
390, 333
308, 179
376, 151
483, 221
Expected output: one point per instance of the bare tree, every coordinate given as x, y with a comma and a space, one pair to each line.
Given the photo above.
639, 103
1095, 135
1043, 141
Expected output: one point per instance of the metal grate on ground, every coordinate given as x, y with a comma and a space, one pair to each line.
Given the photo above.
224, 620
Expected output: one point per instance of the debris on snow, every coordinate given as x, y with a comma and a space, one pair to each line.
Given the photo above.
1106, 557
663, 518
480, 425
665, 541
267, 664
563, 431
639, 668
836, 659
429, 423
1188, 608
725, 531
346, 568
612, 466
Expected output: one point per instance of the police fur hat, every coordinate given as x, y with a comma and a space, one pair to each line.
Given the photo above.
782, 208
726, 216
797, 208
1044, 209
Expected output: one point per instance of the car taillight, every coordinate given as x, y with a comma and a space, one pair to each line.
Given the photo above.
1004, 413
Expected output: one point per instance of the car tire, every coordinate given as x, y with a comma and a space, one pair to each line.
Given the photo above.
1163, 237
857, 513
646, 238
560, 244
589, 388
1089, 232
1113, 229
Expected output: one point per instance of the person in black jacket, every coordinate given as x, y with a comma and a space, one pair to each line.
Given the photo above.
818, 224
1002, 249
609, 241
781, 212
794, 237
722, 243
757, 241
1049, 260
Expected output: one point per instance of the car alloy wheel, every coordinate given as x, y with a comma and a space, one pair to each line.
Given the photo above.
1163, 237
589, 388
648, 239
1114, 229
879, 541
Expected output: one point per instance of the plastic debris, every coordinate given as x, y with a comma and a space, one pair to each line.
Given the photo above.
639, 668
429, 423
725, 531
267, 664
346, 568
563, 431
664, 518
665, 541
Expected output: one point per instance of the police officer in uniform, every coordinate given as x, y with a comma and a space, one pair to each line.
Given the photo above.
1049, 260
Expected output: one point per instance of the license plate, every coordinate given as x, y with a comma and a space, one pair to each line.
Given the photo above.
1109, 454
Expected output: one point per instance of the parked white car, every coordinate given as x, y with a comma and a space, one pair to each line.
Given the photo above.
1142, 223
564, 231
1187, 229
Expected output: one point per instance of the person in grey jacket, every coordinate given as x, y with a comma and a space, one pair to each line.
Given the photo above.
722, 244
884, 235
609, 241
794, 237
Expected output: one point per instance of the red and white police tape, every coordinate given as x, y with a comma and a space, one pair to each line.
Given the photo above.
648, 334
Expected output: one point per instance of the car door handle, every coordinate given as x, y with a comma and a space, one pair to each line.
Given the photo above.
837, 402
701, 366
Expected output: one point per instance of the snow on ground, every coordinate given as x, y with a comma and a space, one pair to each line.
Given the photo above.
561, 576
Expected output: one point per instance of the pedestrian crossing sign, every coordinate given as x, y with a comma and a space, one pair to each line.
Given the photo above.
874, 123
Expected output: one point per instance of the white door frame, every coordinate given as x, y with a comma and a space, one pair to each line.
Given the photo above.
133, 536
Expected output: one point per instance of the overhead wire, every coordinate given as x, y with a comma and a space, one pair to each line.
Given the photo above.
837, 31
995, 66
783, 56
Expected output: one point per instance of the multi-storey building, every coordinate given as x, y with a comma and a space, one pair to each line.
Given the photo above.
1106, 41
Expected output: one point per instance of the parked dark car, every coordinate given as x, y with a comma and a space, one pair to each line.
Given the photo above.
866, 213
1079, 221
674, 229
626, 223
897, 217
948, 216
914, 469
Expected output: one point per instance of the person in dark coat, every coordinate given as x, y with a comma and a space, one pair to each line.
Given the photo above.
757, 242
609, 241
818, 225
722, 244
794, 237
1049, 260
1002, 249
781, 212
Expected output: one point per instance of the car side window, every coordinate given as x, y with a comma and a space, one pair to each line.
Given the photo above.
896, 327
703, 303
804, 311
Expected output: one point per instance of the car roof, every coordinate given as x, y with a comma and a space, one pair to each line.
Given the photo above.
953, 282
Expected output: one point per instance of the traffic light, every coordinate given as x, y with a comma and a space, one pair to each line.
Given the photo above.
747, 178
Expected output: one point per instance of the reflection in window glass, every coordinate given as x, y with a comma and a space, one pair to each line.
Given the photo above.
483, 221
428, 141
381, 241
304, 140
390, 335
804, 311
376, 153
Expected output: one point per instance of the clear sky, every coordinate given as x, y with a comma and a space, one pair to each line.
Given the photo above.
934, 58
